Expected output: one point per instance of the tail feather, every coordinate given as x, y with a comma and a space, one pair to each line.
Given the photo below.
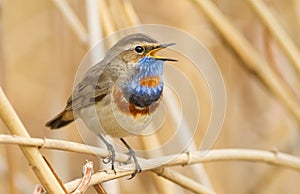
62, 119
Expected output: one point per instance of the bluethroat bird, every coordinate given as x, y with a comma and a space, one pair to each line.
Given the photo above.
124, 88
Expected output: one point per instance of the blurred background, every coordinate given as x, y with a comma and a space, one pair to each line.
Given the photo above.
40, 54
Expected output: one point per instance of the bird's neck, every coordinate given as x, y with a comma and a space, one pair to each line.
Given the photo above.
146, 85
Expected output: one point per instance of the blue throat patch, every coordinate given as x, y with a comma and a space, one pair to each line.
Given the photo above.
141, 95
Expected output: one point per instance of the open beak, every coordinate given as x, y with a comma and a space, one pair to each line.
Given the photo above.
153, 52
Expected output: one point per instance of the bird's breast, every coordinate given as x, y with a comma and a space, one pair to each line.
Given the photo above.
130, 109
128, 117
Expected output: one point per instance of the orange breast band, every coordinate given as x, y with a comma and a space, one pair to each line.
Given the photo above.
150, 81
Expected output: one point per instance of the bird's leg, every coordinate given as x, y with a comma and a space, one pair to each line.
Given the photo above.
132, 155
112, 157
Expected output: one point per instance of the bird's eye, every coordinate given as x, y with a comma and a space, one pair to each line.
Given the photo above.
139, 49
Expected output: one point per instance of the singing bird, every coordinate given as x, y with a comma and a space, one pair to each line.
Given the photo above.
118, 95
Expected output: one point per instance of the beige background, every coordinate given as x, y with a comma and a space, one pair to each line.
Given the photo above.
39, 56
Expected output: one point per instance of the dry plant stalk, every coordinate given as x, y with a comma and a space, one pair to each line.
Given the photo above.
38, 189
79, 148
99, 189
72, 20
251, 58
183, 181
120, 19
105, 18
94, 29
86, 179
270, 157
133, 18
34, 157
278, 32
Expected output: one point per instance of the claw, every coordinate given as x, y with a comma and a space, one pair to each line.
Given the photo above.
106, 160
132, 155
112, 158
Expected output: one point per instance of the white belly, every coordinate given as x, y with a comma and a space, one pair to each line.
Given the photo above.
105, 118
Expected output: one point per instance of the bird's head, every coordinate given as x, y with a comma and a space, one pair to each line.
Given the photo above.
134, 47
143, 49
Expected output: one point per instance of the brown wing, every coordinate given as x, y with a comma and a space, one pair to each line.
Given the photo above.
95, 85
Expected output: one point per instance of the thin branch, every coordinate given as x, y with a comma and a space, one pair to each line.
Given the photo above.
34, 157
183, 181
77, 147
72, 20
177, 178
60, 145
270, 157
277, 31
98, 177
250, 56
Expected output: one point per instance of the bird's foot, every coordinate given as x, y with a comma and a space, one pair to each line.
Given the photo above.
112, 157
132, 156
138, 168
